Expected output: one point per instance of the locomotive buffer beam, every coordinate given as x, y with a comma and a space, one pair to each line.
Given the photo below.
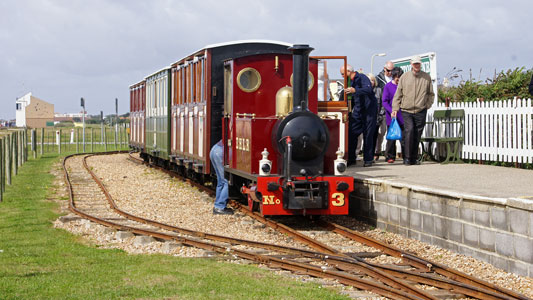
306, 195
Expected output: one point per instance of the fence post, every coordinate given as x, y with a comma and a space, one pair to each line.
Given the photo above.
26, 145
7, 150
2, 162
15, 149
42, 140
59, 144
115, 135
19, 150
34, 143
105, 139
92, 139
23, 147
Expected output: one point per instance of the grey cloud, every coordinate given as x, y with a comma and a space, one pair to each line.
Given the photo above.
63, 50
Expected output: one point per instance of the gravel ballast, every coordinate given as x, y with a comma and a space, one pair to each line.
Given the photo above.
152, 194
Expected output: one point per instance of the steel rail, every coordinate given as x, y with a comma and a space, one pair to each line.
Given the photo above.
286, 264
361, 265
421, 262
382, 272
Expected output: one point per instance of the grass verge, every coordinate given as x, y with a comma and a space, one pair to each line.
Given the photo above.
40, 262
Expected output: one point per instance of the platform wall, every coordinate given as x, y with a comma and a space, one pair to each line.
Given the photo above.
498, 231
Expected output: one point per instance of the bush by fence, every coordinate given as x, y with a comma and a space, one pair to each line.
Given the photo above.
504, 85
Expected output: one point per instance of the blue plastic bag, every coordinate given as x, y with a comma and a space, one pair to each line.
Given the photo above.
394, 132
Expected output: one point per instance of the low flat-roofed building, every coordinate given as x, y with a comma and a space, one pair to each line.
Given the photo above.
33, 112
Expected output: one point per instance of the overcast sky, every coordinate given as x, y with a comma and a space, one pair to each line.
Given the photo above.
63, 50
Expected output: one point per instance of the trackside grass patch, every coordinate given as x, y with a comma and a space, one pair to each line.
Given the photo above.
38, 261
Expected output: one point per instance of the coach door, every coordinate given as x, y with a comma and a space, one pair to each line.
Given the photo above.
227, 131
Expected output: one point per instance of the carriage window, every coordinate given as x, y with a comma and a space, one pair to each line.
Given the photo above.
249, 80
202, 80
228, 88
310, 82
173, 88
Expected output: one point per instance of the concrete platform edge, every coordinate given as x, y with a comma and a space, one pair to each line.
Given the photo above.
495, 230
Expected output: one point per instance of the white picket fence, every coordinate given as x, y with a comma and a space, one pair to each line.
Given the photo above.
496, 130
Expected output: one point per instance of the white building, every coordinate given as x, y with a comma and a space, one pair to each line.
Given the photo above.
33, 112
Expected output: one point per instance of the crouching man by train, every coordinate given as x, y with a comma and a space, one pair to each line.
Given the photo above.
221, 200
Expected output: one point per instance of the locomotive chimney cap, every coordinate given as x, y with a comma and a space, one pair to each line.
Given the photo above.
304, 47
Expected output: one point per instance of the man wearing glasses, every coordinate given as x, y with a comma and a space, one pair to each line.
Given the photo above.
385, 76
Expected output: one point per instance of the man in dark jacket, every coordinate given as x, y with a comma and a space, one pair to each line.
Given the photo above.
385, 76
363, 117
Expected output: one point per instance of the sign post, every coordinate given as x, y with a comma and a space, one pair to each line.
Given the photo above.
83, 118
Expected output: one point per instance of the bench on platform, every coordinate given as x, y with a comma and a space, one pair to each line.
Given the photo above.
446, 128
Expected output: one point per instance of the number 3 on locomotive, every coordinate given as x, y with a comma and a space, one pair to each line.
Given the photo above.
337, 199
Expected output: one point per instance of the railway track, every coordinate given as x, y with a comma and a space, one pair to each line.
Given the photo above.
392, 281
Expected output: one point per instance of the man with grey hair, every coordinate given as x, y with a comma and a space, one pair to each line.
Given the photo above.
363, 114
414, 96
385, 76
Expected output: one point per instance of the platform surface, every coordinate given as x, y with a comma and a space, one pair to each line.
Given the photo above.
470, 179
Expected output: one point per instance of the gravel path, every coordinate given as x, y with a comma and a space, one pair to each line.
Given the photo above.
152, 194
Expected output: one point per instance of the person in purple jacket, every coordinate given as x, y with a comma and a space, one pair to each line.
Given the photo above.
388, 94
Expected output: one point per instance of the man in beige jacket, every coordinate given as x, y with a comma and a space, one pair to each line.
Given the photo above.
414, 96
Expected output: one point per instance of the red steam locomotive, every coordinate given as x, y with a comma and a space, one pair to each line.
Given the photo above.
261, 99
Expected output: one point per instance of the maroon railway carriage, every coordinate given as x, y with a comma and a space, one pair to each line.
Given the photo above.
242, 92
137, 115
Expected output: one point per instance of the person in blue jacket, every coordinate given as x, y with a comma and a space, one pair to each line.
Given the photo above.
363, 115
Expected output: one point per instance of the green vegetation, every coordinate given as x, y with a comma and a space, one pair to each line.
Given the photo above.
40, 262
505, 85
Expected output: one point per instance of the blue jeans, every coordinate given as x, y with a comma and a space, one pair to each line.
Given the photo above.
217, 159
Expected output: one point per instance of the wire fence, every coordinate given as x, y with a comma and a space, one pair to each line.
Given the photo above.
17, 144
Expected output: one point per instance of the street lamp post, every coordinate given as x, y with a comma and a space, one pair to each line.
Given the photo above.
372, 61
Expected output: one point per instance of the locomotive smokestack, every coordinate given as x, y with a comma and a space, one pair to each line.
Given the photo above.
300, 71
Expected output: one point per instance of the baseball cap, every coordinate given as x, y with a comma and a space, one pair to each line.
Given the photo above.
416, 59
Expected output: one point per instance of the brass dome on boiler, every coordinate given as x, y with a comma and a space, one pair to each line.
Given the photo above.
284, 101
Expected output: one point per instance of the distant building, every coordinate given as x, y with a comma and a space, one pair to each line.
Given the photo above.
33, 112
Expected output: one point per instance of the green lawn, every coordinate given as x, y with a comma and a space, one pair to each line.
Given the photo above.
40, 262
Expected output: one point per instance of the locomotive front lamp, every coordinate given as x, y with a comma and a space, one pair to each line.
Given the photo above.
265, 165
340, 163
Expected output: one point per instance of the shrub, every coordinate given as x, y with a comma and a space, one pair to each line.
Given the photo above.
505, 85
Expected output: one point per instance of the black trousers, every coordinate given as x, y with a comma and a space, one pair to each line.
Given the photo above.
362, 122
390, 148
413, 127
